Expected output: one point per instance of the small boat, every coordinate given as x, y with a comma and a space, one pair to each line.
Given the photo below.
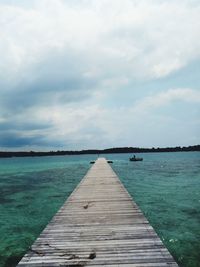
109, 161
135, 159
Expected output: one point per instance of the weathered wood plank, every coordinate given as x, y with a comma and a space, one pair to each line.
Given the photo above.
99, 225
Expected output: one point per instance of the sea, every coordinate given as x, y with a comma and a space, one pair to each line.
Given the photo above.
166, 186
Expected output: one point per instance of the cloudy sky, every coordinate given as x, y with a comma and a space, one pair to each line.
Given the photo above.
78, 74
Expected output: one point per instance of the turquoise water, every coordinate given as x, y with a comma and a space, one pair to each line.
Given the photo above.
166, 186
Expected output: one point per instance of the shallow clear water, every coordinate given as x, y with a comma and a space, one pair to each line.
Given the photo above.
166, 186
31, 191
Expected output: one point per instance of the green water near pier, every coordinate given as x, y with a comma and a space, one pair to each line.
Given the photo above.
166, 186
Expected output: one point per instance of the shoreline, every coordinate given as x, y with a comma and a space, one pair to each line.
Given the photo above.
10, 154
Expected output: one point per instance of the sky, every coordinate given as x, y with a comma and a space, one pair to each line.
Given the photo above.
87, 74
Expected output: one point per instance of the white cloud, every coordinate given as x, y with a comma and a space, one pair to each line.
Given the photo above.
140, 38
166, 98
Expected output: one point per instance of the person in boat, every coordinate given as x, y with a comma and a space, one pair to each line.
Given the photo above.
134, 156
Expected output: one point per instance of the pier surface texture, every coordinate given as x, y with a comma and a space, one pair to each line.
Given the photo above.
99, 225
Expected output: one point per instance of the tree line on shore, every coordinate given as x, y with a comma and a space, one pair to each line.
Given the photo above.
8, 154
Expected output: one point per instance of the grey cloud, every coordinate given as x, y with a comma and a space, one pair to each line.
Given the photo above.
11, 125
16, 140
58, 77
11, 134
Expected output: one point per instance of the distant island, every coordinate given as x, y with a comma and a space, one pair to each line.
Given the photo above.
9, 154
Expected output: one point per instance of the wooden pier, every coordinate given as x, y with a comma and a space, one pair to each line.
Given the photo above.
99, 224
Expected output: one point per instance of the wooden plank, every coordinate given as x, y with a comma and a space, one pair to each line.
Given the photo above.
99, 225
